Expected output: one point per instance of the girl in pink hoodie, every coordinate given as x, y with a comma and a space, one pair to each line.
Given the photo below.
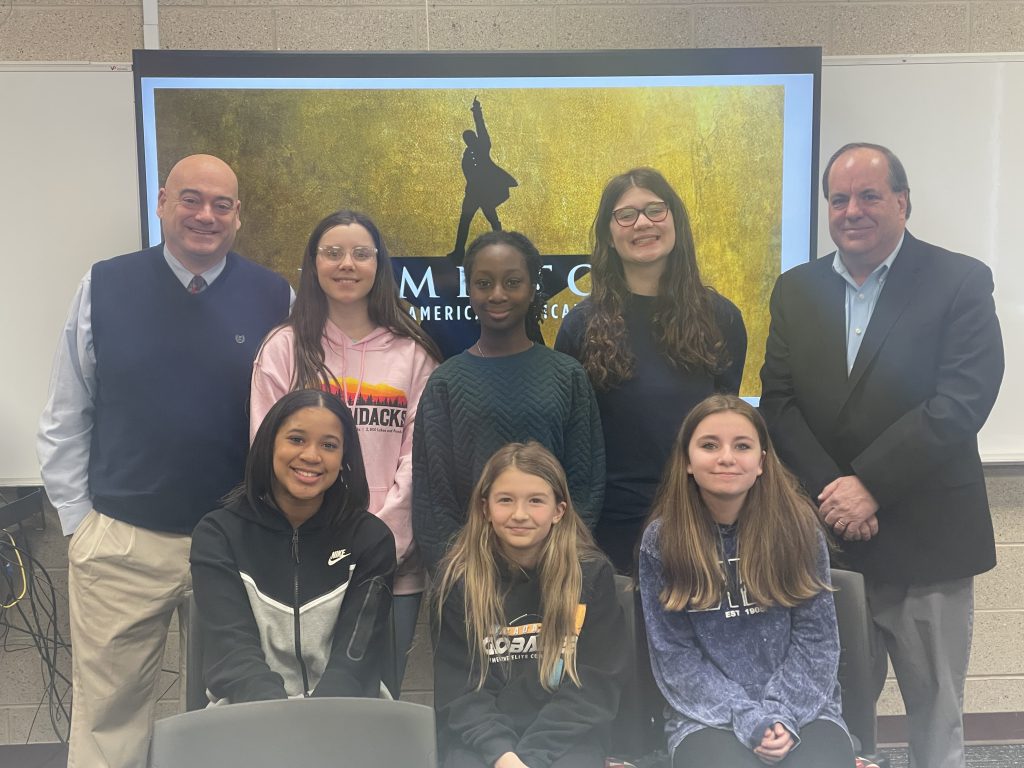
348, 334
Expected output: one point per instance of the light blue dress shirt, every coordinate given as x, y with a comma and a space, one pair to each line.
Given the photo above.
861, 301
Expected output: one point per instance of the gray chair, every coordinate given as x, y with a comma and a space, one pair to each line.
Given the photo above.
855, 667
339, 732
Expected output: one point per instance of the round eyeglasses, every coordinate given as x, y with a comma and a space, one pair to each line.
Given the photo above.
626, 217
335, 253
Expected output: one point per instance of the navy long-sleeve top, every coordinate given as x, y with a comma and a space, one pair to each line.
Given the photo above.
641, 417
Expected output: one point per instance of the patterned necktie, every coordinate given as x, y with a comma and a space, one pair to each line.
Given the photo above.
197, 284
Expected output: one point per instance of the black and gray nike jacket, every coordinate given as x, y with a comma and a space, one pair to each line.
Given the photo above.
291, 612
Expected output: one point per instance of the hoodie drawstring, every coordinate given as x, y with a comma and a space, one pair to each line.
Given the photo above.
344, 368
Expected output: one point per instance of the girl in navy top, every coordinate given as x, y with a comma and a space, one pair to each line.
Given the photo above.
653, 339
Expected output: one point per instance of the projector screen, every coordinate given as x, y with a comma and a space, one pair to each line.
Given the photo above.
734, 131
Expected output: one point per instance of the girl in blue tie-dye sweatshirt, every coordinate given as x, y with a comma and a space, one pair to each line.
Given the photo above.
739, 613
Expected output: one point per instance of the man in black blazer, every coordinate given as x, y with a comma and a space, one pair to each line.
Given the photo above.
882, 364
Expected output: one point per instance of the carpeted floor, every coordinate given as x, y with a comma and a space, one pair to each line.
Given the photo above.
34, 756
978, 756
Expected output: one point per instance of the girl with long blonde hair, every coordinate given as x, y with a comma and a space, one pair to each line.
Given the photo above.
737, 602
528, 653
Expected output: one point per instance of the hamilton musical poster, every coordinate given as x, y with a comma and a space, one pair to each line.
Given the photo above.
434, 168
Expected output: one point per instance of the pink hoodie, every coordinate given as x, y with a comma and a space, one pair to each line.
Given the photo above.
381, 377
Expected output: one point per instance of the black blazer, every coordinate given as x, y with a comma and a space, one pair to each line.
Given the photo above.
906, 419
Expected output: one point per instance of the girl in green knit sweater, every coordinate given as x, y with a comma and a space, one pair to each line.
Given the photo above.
507, 387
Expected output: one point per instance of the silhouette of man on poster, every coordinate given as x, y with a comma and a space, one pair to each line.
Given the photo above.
487, 185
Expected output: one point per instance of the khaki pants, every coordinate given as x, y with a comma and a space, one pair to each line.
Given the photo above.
124, 583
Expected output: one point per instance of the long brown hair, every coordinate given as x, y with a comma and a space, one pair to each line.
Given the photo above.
476, 561
309, 314
777, 529
684, 317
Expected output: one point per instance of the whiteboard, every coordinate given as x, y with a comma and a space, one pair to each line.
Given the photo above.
957, 123
69, 197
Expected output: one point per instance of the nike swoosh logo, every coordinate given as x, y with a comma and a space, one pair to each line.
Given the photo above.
337, 556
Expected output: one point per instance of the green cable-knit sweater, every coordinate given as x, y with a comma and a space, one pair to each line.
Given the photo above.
472, 406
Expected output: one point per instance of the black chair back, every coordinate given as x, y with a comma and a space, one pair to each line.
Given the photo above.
639, 728
855, 667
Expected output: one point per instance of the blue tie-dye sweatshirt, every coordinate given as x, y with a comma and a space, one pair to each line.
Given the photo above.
740, 666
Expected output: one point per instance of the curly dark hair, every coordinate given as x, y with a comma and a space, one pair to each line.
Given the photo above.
684, 323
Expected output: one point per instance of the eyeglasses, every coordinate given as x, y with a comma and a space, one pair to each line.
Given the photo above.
626, 217
336, 254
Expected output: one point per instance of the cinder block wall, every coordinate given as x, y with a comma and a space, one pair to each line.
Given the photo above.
107, 30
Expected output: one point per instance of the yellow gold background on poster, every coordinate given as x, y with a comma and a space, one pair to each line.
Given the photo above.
395, 155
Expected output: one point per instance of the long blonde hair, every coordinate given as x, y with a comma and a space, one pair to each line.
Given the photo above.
777, 529
476, 561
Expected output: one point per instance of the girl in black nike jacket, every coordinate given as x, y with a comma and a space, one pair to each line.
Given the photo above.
292, 576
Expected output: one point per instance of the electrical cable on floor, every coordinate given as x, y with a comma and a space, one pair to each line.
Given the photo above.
21, 569
31, 621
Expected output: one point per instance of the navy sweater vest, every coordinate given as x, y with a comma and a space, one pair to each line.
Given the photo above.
170, 428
